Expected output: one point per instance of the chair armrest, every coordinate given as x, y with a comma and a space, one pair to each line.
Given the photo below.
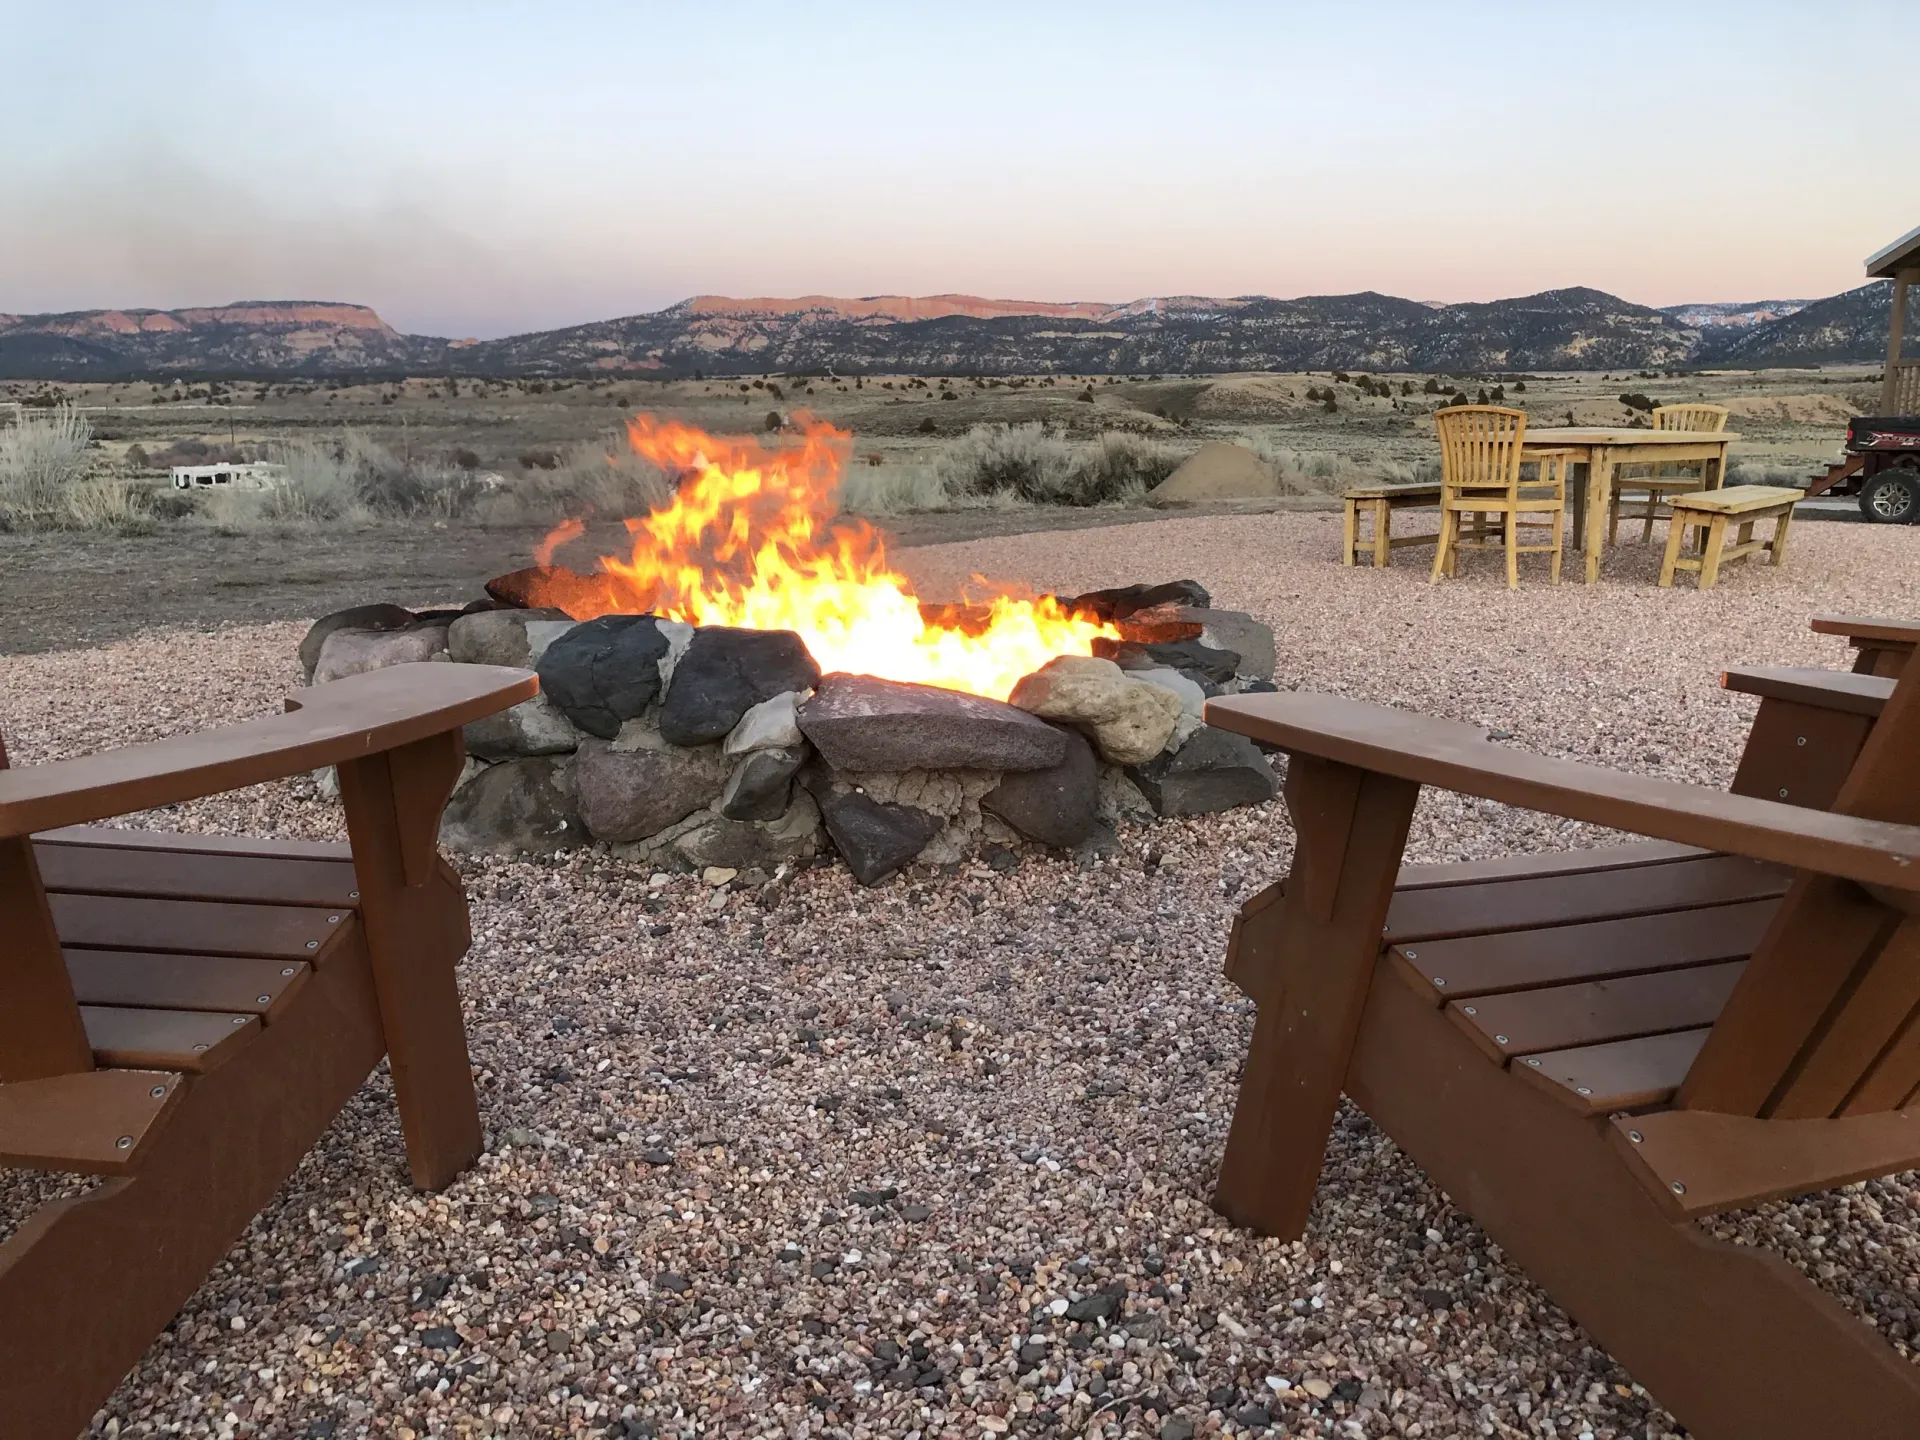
326, 725
1867, 627
1461, 758
1828, 689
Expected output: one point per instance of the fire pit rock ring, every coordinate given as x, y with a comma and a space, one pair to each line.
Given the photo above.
682, 747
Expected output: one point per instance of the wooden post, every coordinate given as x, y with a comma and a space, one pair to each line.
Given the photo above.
1896, 328
416, 922
1308, 962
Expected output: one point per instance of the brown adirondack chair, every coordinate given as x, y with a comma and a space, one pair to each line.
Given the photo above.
1881, 646
1590, 1051
1807, 733
184, 1015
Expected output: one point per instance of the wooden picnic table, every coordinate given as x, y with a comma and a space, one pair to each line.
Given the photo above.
1602, 450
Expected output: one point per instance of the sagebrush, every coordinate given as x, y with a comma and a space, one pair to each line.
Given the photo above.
49, 478
1042, 467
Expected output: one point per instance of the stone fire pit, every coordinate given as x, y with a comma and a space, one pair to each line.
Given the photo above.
684, 748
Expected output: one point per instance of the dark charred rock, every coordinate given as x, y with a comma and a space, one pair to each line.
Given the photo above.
1125, 600
725, 673
875, 839
1214, 770
1057, 806
604, 672
761, 784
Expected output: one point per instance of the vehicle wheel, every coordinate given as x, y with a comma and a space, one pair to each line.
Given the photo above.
1892, 497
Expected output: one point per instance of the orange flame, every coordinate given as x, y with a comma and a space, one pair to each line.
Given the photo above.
751, 539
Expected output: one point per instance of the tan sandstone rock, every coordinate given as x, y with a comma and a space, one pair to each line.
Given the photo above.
1128, 720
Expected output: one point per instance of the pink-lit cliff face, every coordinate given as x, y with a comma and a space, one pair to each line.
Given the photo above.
480, 179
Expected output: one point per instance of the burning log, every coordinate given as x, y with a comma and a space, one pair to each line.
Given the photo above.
582, 597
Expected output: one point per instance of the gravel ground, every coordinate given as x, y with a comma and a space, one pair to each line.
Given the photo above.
808, 1159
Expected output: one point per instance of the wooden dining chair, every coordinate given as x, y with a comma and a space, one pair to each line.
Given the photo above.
1652, 490
1480, 476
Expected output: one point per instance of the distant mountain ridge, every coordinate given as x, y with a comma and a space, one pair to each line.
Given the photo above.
1571, 329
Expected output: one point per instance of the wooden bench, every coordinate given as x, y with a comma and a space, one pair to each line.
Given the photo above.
184, 1015
1881, 646
1714, 510
1591, 1051
1381, 501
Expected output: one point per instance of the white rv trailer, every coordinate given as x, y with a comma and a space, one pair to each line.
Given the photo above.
251, 475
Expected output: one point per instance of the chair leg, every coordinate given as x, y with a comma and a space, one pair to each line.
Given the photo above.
1708, 1327
1308, 962
1646, 525
1513, 550
1443, 547
1559, 526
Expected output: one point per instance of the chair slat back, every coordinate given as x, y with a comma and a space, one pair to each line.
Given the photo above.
1480, 448
1826, 1018
41, 1033
1689, 417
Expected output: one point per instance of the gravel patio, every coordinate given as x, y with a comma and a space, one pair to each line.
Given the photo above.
815, 1159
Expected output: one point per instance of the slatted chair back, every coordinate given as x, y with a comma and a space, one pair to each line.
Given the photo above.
1689, 417
41, 1033
1825, 1021
1480, 449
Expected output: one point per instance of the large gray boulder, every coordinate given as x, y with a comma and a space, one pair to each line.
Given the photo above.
724, 673
631, 794
518, 807
1057, 806
1214, 770
602, 673
495, 637
860, 723
359, 617
1130, 720
354, 652
533, 727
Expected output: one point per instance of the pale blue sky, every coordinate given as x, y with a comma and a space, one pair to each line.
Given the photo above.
484, 168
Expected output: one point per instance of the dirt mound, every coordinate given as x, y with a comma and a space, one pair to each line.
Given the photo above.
1794, 409
1217, 471
1248, 396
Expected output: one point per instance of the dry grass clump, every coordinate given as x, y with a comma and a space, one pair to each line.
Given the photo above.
1037, 465
349, 479
1767, 472
892, 488
352, 479
1326, 472
604, 477
49, 478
